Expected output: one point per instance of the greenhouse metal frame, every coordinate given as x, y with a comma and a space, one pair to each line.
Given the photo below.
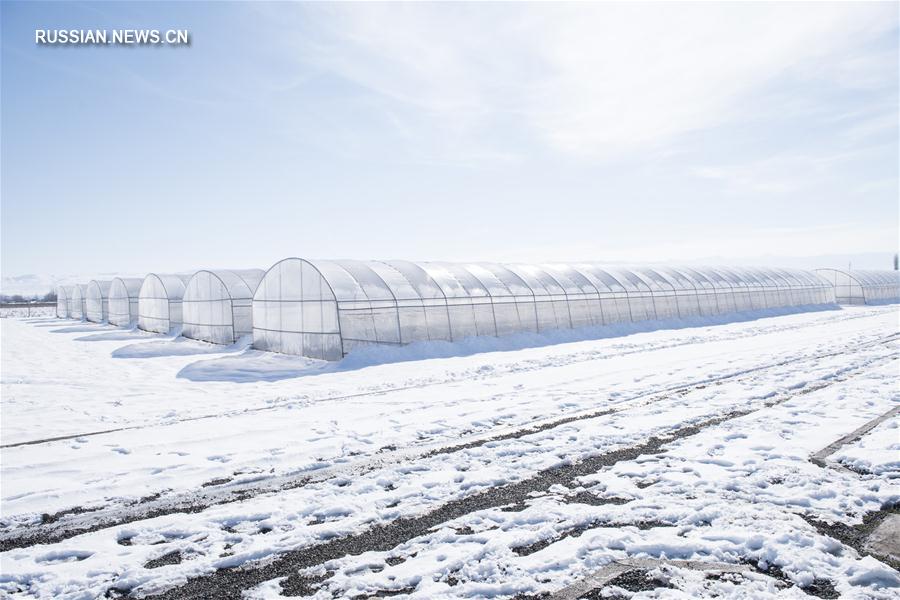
863, 286
63, 301
123, 301
324, 309
159, 302
76, 306
96, 306
216, 306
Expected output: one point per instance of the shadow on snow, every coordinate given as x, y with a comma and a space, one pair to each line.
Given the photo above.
86, 328
177, 346
255, 365
119, 336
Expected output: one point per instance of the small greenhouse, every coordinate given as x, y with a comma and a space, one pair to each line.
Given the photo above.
96, 307
76, 305
123, 300
863, 287
159, 302
324, 309
217, 305
63, 301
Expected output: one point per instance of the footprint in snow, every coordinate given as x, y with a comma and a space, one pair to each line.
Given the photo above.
62, 556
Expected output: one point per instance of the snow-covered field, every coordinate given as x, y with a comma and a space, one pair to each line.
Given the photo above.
27, 312
140, 464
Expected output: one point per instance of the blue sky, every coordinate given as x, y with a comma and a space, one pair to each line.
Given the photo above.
448, 131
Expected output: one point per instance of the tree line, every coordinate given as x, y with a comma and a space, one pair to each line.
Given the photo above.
48, 297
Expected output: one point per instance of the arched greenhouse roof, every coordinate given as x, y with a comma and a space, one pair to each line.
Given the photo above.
217, 304
127, 287
863, 286
324, 308
171, 285
239, 283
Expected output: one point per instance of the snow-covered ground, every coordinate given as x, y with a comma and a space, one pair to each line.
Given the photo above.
497, 474
868, 454
27, 312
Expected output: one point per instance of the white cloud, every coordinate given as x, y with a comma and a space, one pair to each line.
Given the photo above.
594, 79
780, 173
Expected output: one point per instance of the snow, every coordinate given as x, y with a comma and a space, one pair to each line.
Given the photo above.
868, 454
726, 509
144, 415
27, 312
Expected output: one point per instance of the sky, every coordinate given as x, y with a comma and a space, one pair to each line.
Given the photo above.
427, 131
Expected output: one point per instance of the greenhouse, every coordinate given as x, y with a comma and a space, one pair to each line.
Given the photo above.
324, 309
96, 307
863, 287
216, 305
76, 305
63, 301
123, 301
159, 302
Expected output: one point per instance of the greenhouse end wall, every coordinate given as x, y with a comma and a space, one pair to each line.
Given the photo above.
63, 299
159, 302
76, 306
295, 312
324, 309
123, 301
216, 306
96, 307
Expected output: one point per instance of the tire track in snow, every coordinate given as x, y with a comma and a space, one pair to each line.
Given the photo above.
231, 582
820, 458
531, 365
72, 522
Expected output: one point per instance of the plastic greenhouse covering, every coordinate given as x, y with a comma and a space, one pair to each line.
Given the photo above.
123, 300
63, 300
216, 305
324, 309
863, 287
76, 305
159, 302
96, 308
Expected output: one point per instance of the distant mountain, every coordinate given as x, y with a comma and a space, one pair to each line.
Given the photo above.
33, 284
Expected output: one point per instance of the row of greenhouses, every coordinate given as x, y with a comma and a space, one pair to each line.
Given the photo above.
325, 308
213, 306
